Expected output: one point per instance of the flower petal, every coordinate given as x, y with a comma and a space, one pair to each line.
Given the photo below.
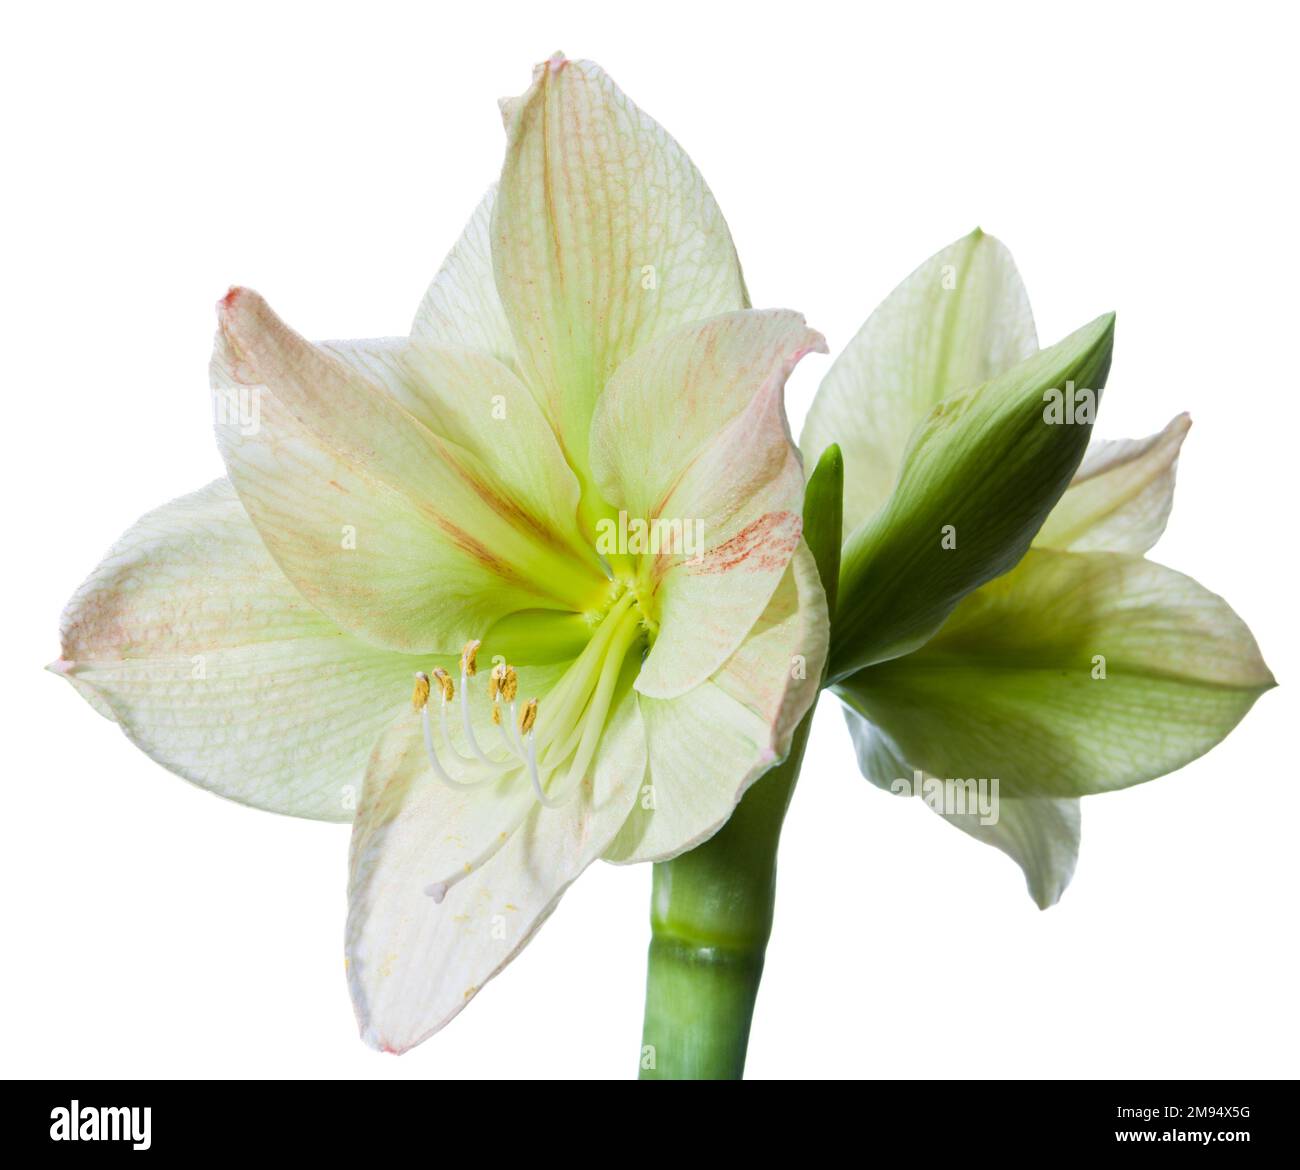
692, 431
958, 321
708, 746
461, 306
414, 963
604, 237
400, 534
1075, 673
1039, 834
477, 406
1119, 499
189, 636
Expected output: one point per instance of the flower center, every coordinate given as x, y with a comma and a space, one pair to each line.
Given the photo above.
552, 750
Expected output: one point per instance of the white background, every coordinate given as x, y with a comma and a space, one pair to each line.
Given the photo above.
1134, 157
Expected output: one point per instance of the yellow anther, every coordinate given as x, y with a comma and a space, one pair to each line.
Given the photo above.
496, 681
469, 658
421, 694
509, 684
445, 685
528, 716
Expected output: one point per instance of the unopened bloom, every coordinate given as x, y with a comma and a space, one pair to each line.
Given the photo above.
1086, 667
396, 602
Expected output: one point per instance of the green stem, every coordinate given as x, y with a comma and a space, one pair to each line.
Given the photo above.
711, 908
710, 918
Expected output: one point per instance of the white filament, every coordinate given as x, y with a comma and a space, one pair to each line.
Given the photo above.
542, 798
438, 769
509, 738
467, 724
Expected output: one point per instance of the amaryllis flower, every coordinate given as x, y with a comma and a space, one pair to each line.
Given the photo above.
1084, 669
564, 514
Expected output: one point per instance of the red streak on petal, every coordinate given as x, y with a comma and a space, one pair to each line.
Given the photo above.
763, 546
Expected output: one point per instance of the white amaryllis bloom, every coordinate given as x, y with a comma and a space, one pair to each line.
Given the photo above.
1084, 669
585, 365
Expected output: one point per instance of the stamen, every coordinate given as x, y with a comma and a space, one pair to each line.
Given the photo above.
507, 729
452, 750
438, 769
467, 668
501, 727
504, 684
446, 689
578, 707
526, 726
463, 760
514, 730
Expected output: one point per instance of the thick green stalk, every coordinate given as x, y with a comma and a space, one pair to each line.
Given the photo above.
710, 918
711, 909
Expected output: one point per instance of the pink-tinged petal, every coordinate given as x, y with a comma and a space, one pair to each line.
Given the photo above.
479, 408
400, 534
692, 430
604, 236
191, 638
1119, 499
709, 745
461, 306
413, 962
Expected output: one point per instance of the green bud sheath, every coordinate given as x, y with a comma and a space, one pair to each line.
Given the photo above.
711, 908
980, 475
